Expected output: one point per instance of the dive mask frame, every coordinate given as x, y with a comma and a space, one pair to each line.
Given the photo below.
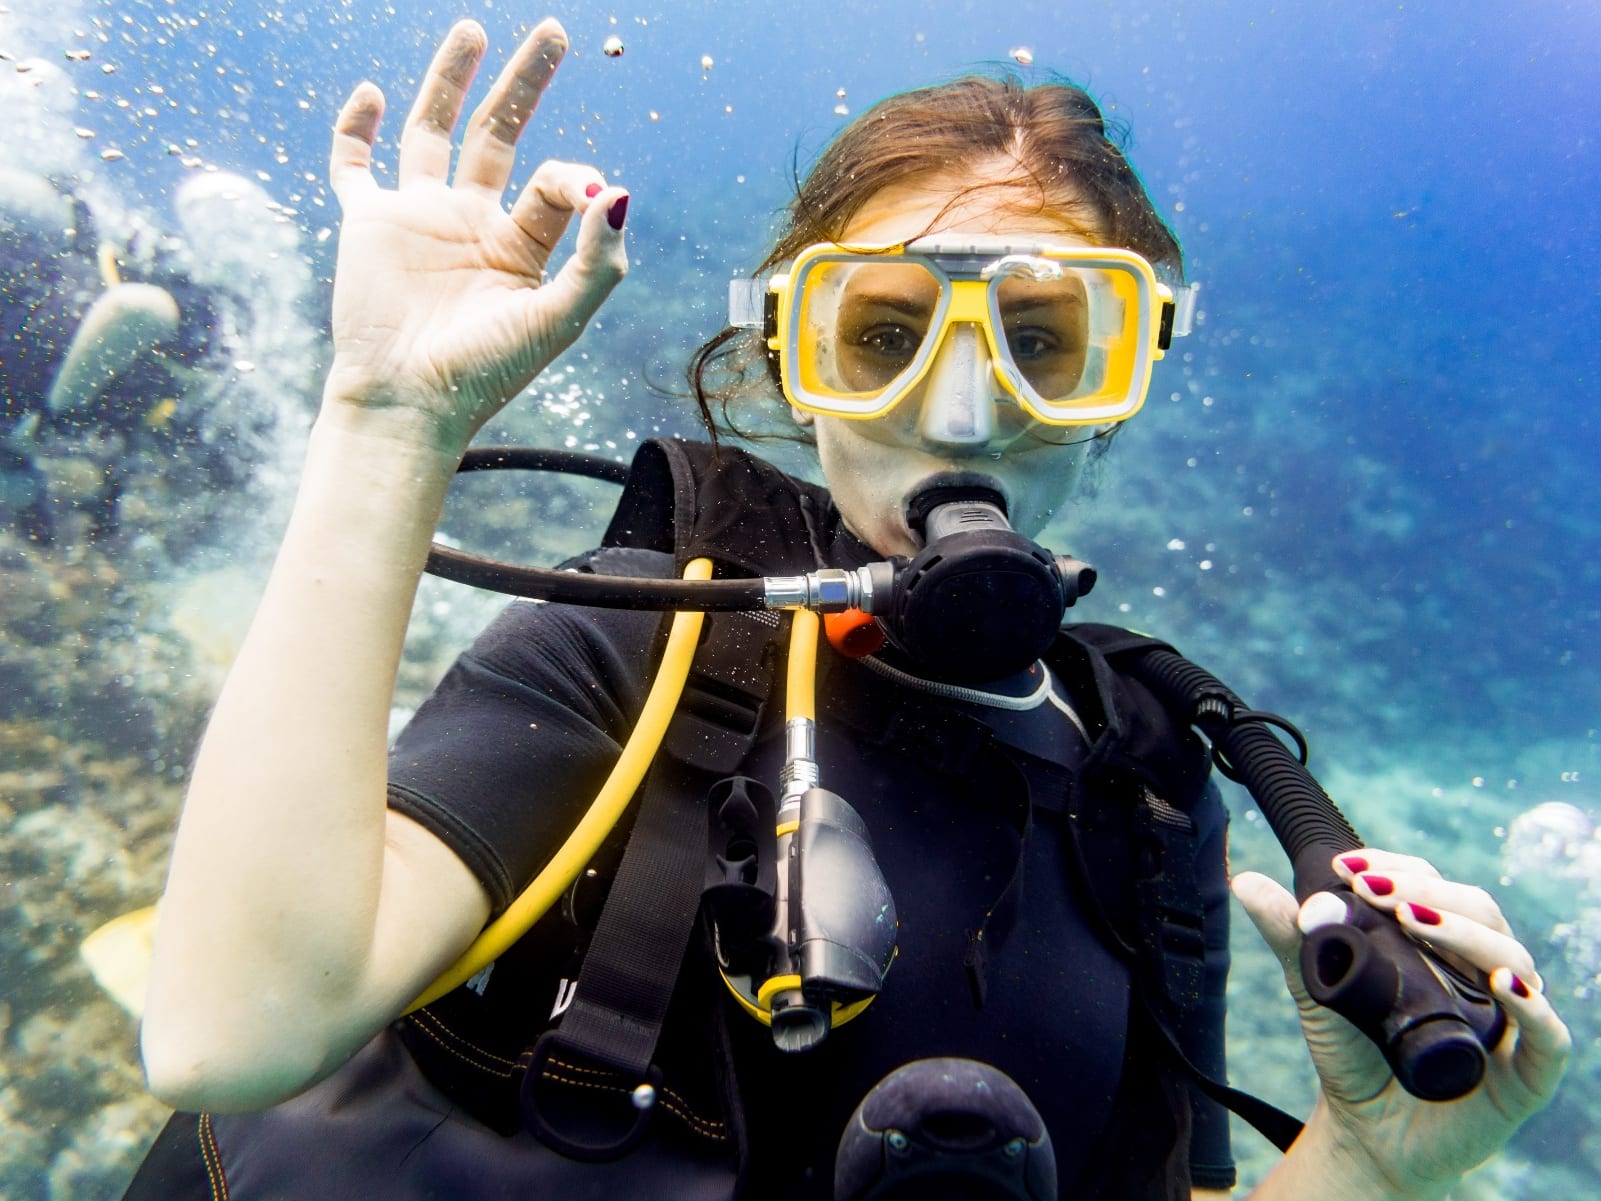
1132, 318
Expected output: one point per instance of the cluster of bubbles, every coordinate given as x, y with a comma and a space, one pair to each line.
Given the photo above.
1557, 846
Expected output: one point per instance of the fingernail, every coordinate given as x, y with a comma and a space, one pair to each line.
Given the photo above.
1520, 989
1321, 909
1379, 886
1425, 915
618, 213
593, 190
1353, 863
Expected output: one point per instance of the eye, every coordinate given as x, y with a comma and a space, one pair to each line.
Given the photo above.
889, 341
1033, 343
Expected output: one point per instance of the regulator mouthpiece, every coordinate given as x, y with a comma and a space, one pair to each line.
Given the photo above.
842, 917
979, 602
804, 922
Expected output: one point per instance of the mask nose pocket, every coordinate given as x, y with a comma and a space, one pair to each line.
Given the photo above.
959, 395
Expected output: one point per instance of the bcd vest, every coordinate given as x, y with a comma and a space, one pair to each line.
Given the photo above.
1127, 805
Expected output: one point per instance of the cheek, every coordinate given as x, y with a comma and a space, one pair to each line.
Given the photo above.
861, 475
851, 469
1043, 486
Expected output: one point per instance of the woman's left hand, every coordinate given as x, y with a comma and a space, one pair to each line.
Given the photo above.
1419, 1148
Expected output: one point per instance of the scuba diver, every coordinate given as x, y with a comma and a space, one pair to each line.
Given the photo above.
933, 905
106, 347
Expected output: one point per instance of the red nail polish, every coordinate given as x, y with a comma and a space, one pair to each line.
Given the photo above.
1425, 915
1519, 988
1379, 886
593, 190
618, 213
1354, 863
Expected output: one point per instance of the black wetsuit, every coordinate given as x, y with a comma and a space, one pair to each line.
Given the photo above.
535, 711
513, 744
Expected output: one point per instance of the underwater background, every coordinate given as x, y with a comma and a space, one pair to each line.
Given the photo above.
1363, 493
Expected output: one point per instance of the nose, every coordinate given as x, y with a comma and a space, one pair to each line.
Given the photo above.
960, 392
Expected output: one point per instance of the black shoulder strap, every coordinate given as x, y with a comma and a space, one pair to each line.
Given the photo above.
620, 1001
1129, 807
692, 499
688, 499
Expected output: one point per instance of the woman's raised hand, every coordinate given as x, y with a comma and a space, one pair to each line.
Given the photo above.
442, 311
1408, 1147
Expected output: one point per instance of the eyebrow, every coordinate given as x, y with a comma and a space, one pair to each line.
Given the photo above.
1029, 304
892, 301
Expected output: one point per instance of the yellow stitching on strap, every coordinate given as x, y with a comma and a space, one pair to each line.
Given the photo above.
211, 1156
673, 1102
466, 1042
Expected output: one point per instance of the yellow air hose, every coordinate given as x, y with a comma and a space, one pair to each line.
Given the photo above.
800, 690
582, 844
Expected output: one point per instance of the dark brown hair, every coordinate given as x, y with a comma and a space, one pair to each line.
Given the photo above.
1053, 132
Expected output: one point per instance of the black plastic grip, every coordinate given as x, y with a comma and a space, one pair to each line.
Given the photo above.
1431, 1022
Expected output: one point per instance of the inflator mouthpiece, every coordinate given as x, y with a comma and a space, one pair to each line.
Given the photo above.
1433, 1025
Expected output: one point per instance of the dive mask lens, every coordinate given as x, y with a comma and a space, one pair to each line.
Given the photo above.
1070, 333
1045, 334
860, 327
1076, 332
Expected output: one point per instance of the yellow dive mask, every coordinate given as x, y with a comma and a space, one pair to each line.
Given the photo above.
1071, 331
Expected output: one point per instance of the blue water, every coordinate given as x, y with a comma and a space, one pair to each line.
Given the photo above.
1364, 491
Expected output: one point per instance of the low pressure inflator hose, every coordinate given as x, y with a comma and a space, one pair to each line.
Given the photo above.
585, 840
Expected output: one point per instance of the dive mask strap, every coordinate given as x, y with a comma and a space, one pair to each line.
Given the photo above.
1178, 315
751, 303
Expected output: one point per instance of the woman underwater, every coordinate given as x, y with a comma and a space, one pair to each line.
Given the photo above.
320, 883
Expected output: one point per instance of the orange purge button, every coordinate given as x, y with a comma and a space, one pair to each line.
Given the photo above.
853, 633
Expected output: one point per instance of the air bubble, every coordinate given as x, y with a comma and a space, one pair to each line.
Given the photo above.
612, 47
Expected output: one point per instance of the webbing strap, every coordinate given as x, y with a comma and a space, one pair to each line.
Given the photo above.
1271, 1122
627, 977
625, 985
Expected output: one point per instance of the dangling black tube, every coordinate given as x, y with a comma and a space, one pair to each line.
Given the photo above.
539, 458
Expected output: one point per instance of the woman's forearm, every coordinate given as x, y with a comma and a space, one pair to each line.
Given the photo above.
270, 918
